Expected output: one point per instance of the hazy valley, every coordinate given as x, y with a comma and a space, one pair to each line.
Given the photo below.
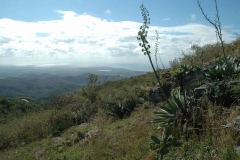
44, 82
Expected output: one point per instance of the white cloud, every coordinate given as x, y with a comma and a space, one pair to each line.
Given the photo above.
87, 40
193, 17
230, 26
167, 19
108, 12
237, 31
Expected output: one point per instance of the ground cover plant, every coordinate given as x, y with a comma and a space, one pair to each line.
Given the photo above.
119, 120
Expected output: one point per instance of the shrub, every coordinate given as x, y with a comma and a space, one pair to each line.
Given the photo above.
25, 130
224, 69
121, 109
60, 120
91, 92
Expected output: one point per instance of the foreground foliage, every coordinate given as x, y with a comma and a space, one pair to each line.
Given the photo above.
113, 120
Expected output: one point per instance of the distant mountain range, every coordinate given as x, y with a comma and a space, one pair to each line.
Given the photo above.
45, 82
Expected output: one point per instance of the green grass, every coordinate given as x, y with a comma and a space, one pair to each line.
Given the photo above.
88, 131
109, 138
129, 138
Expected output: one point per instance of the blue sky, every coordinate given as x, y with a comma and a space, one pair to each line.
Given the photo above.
103, 32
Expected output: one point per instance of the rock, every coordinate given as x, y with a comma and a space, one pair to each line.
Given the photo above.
140, 100
57, 139
83, 125
198, 92
25, 100
233, 82
238, 149
89, 135
237, 124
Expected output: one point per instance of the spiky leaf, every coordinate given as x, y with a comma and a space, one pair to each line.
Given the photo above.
155, 140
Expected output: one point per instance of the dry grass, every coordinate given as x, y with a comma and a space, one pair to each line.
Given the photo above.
106, 138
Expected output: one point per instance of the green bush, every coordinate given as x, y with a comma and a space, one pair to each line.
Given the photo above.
25, 130
83, 110
121, 109
223, 69
60, 120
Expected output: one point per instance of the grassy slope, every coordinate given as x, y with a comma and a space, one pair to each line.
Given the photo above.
118, 139
111, 138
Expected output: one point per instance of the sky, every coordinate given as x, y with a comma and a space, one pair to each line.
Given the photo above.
104, 32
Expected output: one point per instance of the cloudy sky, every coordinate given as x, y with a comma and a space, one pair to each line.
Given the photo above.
103, 32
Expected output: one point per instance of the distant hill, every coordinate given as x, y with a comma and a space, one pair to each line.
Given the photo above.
45, 82
48, 71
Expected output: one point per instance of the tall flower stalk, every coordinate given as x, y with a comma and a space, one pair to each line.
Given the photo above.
142, 36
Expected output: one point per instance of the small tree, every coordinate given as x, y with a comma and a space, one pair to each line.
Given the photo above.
91, 92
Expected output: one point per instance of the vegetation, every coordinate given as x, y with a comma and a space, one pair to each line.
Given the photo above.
12, 108
119, 120
48, 82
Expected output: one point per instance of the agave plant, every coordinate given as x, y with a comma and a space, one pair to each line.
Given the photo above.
117, 110
214, 73
180, 113
129, 105
223, 69
176, 108
121, 109
231, 67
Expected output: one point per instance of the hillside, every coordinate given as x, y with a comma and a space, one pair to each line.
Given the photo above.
26, 81
113, 120
188, 111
